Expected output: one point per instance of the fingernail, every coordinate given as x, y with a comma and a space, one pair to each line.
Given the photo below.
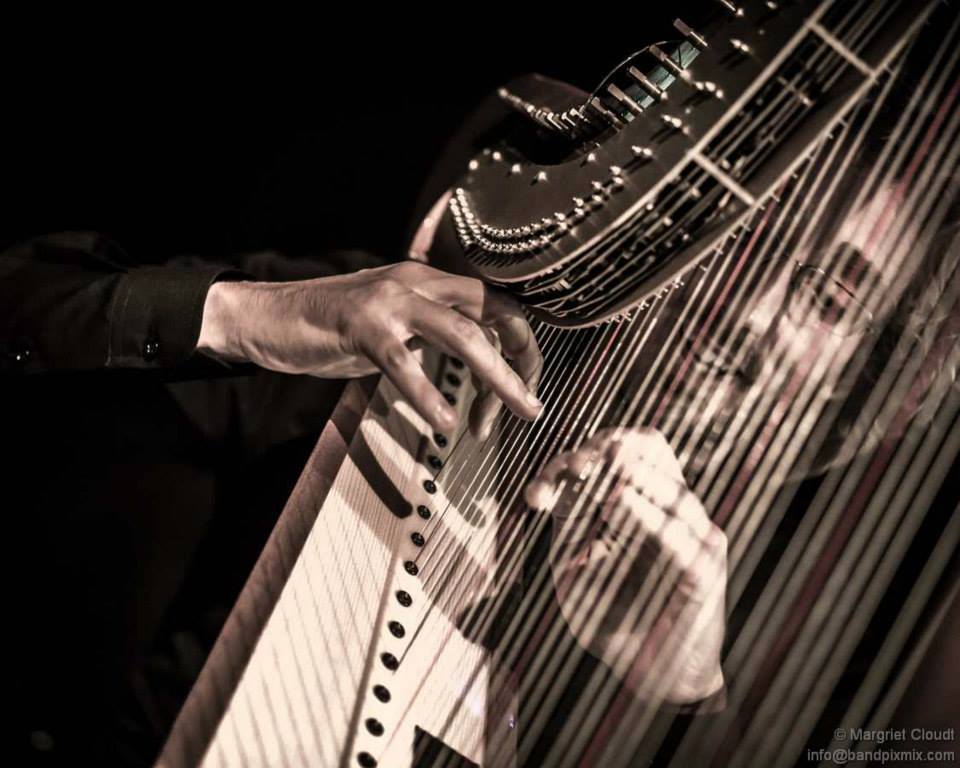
445, 415
533, 401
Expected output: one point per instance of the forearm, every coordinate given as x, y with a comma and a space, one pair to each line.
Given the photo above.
218, 336
69, 303
261, 322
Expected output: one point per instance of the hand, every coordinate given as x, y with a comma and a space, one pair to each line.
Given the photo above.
353, 325
650, 529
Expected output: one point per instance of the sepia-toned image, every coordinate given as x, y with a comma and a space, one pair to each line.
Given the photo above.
573, 392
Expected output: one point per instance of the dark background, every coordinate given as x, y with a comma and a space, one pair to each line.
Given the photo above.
299, 134
177, 135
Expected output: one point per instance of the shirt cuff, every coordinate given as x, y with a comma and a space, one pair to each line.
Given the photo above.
156, 314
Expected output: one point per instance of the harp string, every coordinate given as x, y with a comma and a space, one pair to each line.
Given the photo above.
549, 349
864, 494
931, 165
735, 138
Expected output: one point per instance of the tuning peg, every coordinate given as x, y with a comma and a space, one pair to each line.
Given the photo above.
688, 32
571, 126
664, 58
647, 84
590, 123
624, 99
734, 9
611, 118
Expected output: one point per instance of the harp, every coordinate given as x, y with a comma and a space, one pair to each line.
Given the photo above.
398, 615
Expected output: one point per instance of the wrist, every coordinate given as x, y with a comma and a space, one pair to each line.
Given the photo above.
220, 333
702, 685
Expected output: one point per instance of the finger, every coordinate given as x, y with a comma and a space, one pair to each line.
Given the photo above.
488, 306
571, 466
583, 461
485, 306
672, 533
399, 365
543, 491
483, 413
648, 459
540, 495
676, 500
423, 239
516, 336
466, 294
460, 336
493, 338
486, 405
636, 517
605, 443
649, 446
556, 470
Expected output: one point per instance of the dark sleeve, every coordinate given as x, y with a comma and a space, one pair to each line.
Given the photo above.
73, 302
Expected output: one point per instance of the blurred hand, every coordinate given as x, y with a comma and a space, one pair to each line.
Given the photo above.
606, 563
353, 325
